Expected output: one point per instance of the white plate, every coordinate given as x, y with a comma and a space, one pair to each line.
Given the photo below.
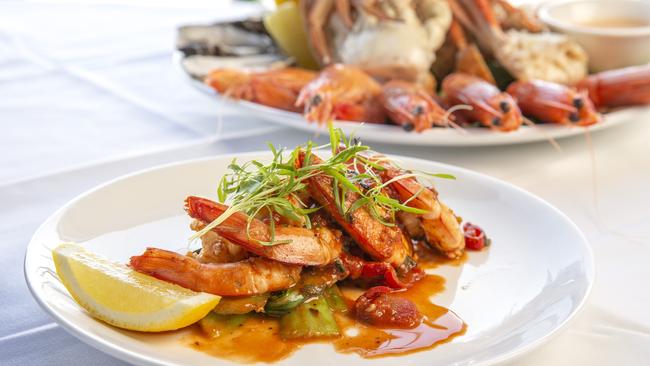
389, 134
514, 296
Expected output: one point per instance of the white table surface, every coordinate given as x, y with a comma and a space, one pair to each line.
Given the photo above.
88, 93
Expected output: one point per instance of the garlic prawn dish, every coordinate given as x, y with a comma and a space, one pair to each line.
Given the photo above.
309, 248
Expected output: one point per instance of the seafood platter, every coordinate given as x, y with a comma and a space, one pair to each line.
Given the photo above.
428, 72
320, 254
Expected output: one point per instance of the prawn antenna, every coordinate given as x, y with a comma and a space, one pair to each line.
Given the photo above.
548, 137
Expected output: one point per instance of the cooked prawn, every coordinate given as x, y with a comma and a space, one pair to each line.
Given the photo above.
439, 226
252, 276
313, 247
618, 88
553, 103
410, 106
342, 92
276, 88
383, 243
217, 249
488, 105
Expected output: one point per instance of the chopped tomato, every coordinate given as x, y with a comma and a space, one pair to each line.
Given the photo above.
474, 237
378, 307
358, 268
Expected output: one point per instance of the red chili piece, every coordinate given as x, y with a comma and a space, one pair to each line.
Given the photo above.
378, 307
474, 237
358, 268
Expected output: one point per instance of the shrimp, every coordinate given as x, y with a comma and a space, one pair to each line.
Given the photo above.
554, 103
618, 88
439, 226
410, 106
255, 275
383, 243
312, 247
217, 249
489, 106
342, 92
276, 88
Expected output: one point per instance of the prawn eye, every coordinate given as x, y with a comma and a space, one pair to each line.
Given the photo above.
505, 107
408, 127
418, 110
315, 101
496, 121
578, 102
574, 117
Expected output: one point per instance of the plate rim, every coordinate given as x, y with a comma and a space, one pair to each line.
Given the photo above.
131, 356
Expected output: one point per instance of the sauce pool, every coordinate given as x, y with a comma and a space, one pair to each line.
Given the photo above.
257, 338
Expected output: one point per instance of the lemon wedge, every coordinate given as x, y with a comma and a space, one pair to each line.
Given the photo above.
285, 26
122, 297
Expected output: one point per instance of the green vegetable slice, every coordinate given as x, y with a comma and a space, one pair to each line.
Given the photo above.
283, 302
214, 324
312, 319
335, 299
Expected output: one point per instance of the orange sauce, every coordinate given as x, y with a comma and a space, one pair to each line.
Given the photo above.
439, 325
257, 339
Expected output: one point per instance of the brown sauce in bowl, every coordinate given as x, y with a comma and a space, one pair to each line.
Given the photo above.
614, 22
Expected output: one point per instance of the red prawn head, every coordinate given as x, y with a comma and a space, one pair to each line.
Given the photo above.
585, 113
500, 112
342, 92
410, 106
554, 103
482, 102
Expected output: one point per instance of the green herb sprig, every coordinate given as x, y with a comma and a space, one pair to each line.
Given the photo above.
275, 188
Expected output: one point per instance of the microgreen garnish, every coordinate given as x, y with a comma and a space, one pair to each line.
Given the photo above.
276, 188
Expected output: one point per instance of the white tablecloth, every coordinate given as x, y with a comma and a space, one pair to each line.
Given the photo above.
88, 93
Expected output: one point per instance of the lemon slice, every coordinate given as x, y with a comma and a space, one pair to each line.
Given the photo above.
125, 298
